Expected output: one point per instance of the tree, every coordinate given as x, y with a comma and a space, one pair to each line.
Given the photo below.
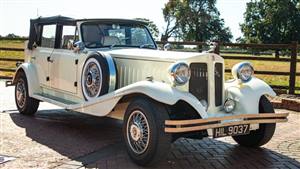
151, 26
11, 35
272, 21
169, 13
195, 20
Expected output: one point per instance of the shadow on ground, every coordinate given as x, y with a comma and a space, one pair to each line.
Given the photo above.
97, 142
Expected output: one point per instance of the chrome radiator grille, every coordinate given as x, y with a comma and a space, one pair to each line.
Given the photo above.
218, 84
198, 84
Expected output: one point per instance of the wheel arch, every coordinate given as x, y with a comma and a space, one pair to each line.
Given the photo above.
158, 91
178, 109
181, 110
248, 95
165, 94
31, 74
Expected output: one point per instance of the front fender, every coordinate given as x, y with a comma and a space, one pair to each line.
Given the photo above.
31, 75
247, 95
158, 91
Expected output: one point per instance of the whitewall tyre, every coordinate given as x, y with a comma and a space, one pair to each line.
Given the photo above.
95, 77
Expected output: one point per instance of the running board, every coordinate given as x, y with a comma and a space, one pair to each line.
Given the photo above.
54, 100
101, 106
179, 126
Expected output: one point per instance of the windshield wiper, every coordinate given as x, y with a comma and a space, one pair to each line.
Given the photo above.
149, 46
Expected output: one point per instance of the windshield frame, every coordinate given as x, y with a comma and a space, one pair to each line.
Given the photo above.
118, 22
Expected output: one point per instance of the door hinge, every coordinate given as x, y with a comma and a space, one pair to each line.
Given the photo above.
76, 62
47, 78
75, 84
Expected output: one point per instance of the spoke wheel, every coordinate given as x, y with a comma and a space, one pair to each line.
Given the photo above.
20, 93
143, 131
25, 104
92, 78
95, 77
138, 132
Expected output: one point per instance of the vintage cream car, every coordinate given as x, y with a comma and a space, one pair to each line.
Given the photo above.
113, 68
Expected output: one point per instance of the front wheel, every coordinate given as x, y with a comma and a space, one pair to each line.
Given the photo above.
263, 135
25, 104
143, 131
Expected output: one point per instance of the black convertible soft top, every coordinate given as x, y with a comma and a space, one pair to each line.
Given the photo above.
36, 24
54, 20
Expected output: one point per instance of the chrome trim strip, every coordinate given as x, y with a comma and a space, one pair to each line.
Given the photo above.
112, 71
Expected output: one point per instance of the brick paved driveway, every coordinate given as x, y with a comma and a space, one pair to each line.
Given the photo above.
55, 138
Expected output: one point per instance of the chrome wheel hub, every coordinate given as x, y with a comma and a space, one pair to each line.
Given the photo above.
21, 93
138, 132
92, 79
135, 132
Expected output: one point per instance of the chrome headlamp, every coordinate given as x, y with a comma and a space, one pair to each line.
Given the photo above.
179, 73
243, 71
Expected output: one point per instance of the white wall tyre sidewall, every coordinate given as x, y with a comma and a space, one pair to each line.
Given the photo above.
83, 78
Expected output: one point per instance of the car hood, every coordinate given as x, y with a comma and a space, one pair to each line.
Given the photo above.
150, 54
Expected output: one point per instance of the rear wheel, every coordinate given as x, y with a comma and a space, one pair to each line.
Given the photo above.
143, 131
25, 104
265, 132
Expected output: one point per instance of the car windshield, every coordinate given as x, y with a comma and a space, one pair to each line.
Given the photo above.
98, 35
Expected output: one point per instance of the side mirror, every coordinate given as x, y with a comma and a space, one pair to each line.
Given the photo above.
78, 46
167, 46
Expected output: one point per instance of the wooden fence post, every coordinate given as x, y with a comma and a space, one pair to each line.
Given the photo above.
293, 66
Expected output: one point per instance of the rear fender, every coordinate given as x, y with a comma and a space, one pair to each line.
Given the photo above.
31, 75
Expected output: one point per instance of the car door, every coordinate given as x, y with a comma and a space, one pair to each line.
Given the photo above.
42, 53
64, 61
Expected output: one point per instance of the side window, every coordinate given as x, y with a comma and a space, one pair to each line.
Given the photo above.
48, 36
68, 37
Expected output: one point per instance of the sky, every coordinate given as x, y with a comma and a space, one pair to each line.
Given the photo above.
15, 14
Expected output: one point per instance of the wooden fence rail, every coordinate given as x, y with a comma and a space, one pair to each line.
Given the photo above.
293, 47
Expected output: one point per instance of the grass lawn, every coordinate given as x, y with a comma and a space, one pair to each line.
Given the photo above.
12, 43
258, 65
